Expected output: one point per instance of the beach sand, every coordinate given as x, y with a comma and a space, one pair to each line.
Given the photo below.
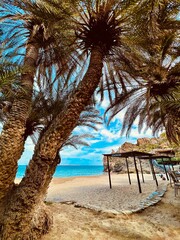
94, 191
84, 208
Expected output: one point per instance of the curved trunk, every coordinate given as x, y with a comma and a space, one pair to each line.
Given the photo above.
12, 136
18, 221
37, 217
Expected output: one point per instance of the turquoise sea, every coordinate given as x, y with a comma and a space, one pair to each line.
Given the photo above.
63, 171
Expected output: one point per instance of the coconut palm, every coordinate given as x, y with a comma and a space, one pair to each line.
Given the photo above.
101, 29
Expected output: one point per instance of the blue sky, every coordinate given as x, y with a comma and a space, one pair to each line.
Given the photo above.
105, 139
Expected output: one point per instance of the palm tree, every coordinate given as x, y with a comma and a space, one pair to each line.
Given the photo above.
155, 100
47, 101
38, 33
101, 30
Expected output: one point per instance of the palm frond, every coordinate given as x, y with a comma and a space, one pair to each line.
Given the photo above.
154, 65
76, 140
46, 23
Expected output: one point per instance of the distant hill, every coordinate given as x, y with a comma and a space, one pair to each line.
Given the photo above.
151, 145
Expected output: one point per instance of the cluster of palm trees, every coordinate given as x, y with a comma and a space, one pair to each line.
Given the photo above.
61, 54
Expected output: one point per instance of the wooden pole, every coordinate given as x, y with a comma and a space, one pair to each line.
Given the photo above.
127, 165
109, 174
141, 170
137, 174
171, 165
165, 170
153, 172
152, 168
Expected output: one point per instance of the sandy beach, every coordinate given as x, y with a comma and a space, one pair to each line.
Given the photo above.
94, 192
86, 208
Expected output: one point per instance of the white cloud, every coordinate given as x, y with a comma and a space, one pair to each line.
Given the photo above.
28, 152
1, 126
29, 144
120, 117
105, 103
71, 152
108, 149
83, 129
108, 135
93, 141
135, 134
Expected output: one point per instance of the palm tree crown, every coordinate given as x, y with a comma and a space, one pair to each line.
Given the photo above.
41, 23
105, 25
100, 27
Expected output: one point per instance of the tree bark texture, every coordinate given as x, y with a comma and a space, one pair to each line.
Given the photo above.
18, 220
38, 220
12, 136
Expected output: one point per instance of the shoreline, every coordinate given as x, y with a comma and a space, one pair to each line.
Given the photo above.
64, 171
17, 180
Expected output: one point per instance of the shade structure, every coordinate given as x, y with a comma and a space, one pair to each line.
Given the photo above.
165, 160
134, 155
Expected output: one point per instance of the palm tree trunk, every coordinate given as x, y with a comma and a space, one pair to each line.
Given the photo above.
33, 186
12, 136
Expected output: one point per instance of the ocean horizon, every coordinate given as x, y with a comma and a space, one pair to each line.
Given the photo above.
63, 171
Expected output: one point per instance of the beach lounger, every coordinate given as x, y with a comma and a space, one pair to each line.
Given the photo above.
176, 182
